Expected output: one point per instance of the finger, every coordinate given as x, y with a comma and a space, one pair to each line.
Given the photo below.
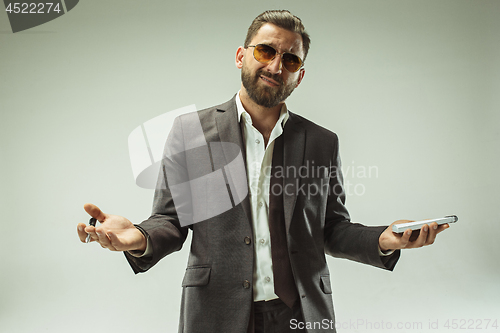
81, 232
405, 238
102, 238
422, 238
90, 230
433, 228
94, 211
114, 241
442, 227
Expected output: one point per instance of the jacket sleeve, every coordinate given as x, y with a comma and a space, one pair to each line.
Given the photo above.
163, 228
344, 239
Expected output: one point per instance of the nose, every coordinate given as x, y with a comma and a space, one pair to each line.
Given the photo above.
275, 66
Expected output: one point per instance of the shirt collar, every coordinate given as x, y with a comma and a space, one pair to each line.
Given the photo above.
243, 113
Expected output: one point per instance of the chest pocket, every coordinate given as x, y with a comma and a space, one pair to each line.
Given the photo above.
196, 276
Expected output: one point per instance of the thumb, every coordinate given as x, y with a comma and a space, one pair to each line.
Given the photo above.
94, 211
115, 242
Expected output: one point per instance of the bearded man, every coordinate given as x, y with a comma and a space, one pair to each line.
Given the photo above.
260, 265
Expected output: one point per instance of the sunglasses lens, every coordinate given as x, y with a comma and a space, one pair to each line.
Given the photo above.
291, 62
264, 53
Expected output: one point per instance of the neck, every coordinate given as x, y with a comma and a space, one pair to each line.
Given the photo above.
263, 119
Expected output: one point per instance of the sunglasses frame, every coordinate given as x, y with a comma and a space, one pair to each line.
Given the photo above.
281, 54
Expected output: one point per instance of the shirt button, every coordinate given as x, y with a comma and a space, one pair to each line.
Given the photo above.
268, 279
257, 141
262, 241
246, 284
260, 204
248, 240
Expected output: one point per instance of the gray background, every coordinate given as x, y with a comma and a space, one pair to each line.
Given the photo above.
411, 87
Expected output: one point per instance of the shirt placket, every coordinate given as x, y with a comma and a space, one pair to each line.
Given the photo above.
262, 245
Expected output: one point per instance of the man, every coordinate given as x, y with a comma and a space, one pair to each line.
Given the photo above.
259, 266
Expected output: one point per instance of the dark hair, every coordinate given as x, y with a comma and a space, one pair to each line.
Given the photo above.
283, 19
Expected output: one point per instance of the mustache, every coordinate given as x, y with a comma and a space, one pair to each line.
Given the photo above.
275, 77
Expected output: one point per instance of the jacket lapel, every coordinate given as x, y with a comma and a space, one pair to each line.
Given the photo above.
294, 145
228, 125
229, 131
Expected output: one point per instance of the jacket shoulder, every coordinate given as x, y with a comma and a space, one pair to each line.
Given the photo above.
207, 116
313, 129
213, 110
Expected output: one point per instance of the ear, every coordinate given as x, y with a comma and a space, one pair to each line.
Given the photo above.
240, 53
302, 72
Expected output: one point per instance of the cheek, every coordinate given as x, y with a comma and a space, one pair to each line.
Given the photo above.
291, 80
245, 63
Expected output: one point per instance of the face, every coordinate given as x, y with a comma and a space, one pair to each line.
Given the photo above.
270, 84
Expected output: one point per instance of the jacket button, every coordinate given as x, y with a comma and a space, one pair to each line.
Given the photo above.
248, 240
246, 284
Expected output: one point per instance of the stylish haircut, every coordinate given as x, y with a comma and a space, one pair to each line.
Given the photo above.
283, 19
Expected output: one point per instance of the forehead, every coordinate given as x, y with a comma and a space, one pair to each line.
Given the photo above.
282, 39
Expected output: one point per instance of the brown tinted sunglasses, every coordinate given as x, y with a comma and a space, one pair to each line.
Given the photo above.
265, 54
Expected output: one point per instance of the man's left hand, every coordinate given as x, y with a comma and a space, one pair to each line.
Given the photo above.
389, 240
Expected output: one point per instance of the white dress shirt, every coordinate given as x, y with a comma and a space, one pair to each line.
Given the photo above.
258, 162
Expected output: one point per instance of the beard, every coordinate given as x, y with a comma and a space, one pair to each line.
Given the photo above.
262, 95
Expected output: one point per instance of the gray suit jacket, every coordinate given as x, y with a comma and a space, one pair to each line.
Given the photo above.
217, 286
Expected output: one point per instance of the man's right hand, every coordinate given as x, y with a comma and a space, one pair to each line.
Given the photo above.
115, 233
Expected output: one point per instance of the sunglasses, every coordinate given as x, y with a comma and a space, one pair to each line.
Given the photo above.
265, 54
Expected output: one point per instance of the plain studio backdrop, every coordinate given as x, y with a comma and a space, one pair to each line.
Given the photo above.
411, 88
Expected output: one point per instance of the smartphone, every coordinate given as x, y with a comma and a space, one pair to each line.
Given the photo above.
400, 228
